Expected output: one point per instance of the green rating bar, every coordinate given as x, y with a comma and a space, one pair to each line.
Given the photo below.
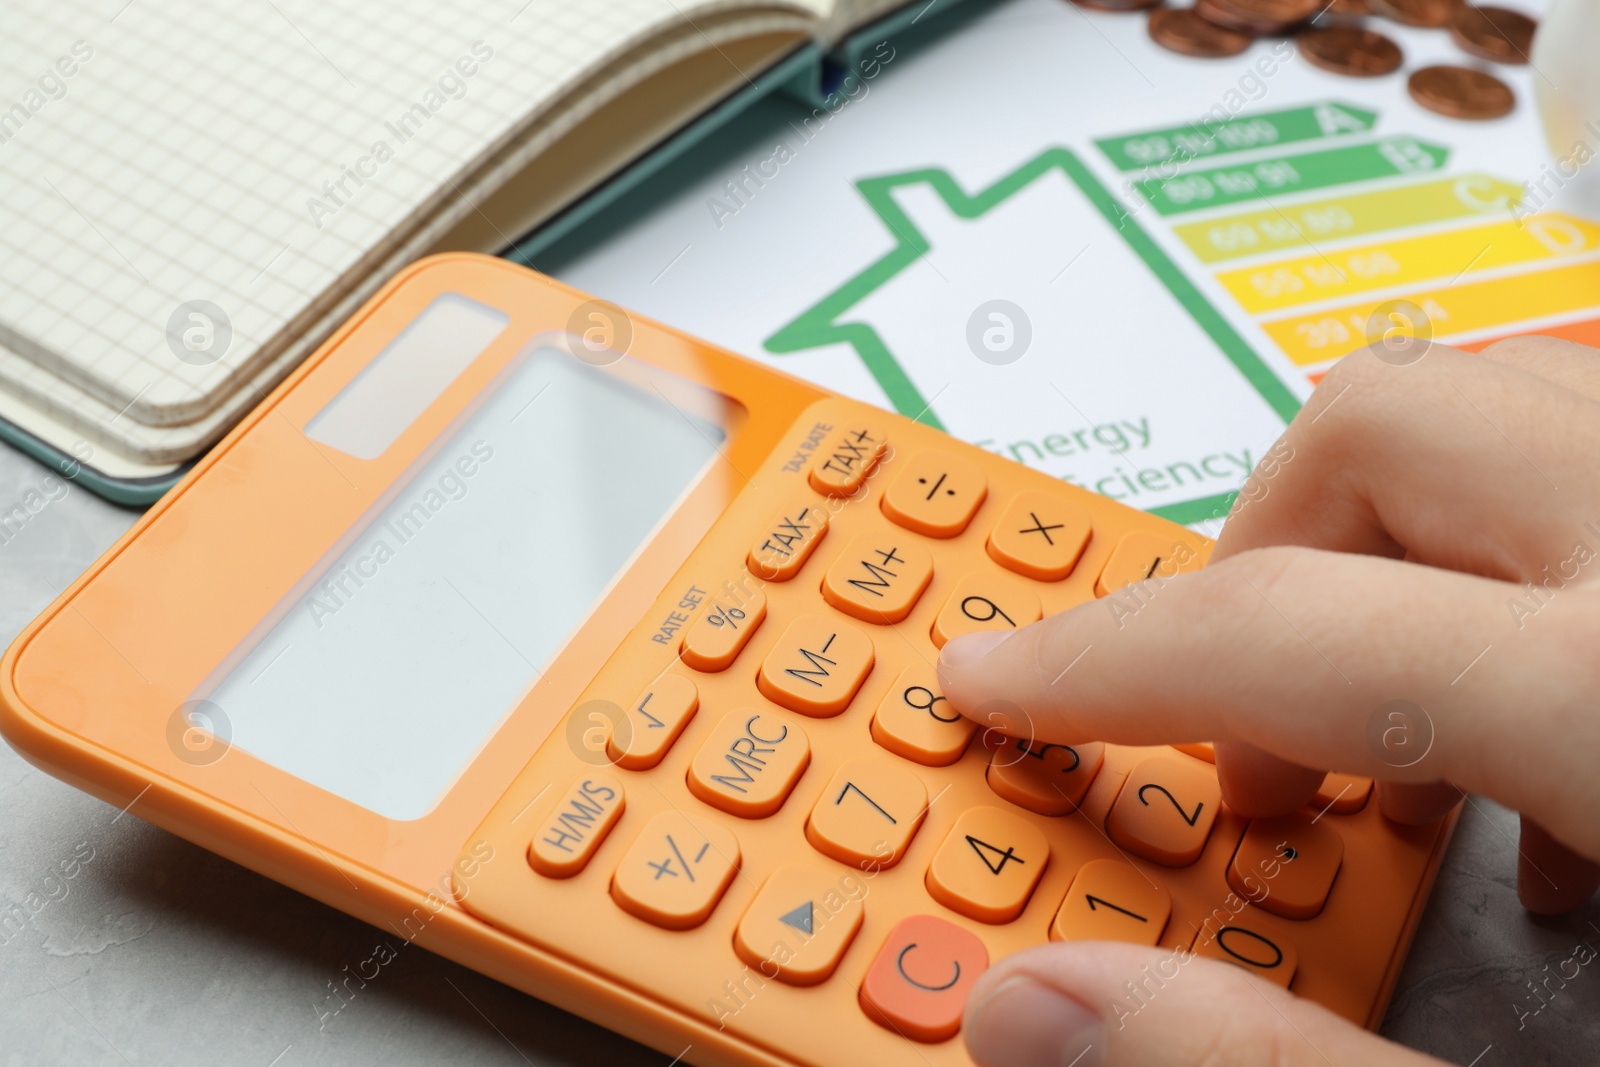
1282, 175
1177, 145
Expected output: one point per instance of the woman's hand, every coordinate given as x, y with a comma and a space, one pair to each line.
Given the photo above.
1426, 533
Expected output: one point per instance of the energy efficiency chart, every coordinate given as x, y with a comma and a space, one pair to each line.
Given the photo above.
1293, 234
1121, 267
1462, 250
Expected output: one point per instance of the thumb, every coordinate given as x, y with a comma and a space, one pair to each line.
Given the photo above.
1102, 1004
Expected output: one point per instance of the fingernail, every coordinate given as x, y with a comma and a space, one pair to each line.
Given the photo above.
968, 649
1025, 1023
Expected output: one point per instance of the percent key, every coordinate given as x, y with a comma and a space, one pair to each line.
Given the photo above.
717, 639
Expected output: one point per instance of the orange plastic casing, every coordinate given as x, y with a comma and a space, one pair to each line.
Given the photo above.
89, 692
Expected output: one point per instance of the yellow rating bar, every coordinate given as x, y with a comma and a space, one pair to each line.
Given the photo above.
1342, 272
1448, 310
1298, 226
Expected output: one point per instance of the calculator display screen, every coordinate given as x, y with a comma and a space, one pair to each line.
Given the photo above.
419, 636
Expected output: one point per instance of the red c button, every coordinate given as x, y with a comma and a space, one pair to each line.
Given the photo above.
918, 982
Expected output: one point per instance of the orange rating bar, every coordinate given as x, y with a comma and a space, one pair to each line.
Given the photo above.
1584, 332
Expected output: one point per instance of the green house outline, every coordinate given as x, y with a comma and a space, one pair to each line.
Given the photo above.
825, 323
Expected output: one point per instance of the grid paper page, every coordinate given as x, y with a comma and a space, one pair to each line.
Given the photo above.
257, 157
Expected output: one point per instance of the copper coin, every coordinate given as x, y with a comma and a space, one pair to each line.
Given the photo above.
1349, 50
1461, 92
1208, 10
1496, 33
1431, 14
1342, 13
1259, 16
1181, 30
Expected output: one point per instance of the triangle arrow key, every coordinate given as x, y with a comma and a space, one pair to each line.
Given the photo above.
800, 918
802, 945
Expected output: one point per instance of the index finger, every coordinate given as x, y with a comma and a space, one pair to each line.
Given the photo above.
1299, 652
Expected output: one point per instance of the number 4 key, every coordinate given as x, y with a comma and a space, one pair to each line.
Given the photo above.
988, 865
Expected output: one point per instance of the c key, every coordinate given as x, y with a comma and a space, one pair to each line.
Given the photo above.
919, 980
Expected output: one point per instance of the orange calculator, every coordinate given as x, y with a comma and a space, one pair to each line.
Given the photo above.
602, 661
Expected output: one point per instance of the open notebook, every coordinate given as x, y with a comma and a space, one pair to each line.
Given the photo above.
193, 194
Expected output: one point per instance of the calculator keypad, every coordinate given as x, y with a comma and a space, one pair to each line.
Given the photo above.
919, 980
750, 763
915, 721
868, 813
1166, 810
815, 813
988, 865
1040, 535
879, 577
986, 602
935, 494
676, 871
1110, 900
817, 666
653, 722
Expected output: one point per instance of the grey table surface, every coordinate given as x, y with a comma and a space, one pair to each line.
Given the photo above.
159, 952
